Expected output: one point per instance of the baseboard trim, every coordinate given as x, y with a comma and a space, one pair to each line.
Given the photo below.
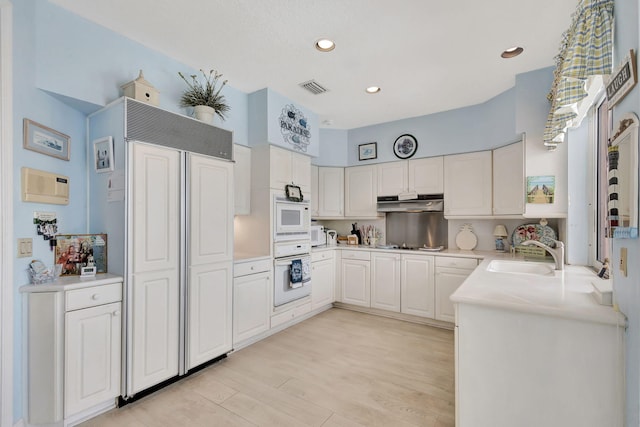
398, 316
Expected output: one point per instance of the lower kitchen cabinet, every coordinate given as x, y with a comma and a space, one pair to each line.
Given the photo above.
450, 273
417, 285
252, 288
355, 277
73, 359
385, 281
322, 279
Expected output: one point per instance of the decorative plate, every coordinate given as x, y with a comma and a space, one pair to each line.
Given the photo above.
465, 239
542, 233
405, 146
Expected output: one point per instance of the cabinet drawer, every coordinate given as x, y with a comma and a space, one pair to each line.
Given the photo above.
93, 296
468, 263
320, 256
361, 255
251, 267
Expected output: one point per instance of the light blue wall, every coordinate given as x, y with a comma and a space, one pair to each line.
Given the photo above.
627, 289
478, 127
334, 144
579, 195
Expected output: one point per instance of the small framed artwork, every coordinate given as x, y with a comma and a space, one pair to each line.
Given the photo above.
103, 154
405, 146
293, 193
368, 151
44, 140
77, 251
541, 189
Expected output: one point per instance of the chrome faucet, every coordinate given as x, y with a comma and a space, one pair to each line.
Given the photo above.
557, 253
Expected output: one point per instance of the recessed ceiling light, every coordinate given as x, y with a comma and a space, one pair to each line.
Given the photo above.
325, 45
512, 52
373, 89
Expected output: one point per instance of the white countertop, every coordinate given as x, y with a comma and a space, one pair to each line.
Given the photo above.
565, 294
445, 252
65, 283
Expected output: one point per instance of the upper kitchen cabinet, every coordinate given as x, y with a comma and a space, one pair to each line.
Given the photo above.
283, 167
468, 184
423, 176
508, 179
330, 192
242, 179
361, 191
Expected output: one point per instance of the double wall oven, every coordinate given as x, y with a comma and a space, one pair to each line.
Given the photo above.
291, 251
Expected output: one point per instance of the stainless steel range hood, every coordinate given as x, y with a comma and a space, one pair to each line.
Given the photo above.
422, 203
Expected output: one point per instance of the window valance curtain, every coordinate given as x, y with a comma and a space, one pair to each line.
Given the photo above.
585, 51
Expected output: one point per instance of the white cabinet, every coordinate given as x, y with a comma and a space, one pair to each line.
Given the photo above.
508, 180
287, 167
355, 277
252, 288
330, 192
423, 176
450, 273
313, 201
73, 334
468, 184
393, 178
417, 285
242, 179
360, 191
426, 176
323, 279
385, 281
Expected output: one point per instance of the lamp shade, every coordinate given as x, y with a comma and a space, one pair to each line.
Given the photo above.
500, 231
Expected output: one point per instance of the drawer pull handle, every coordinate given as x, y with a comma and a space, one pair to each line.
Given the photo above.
252, 268
95, 297
116, 313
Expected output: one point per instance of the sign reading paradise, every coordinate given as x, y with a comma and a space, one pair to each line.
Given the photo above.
295, 128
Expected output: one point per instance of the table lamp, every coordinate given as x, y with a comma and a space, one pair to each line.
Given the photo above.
500, 232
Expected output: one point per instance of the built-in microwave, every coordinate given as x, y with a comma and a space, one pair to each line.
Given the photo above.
292, 220
318, 236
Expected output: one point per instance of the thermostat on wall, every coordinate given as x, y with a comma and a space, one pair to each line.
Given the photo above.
44, 187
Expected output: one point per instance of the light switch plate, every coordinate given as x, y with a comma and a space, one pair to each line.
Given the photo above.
25, 247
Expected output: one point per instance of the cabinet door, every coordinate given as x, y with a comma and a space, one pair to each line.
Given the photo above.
209, 295
154, 322
242, 179
508, 180
417, 285
92, 357
356, 282
323, 279
280, 168
314, 200
331, 192
301, 172
155, 203
468, 184
447, 281
426, 176
251, 305
210, 210
392, 178
385, 281
361, 191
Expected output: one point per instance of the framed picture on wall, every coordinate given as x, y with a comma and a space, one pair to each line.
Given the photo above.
103, 154
44, 140
368, 151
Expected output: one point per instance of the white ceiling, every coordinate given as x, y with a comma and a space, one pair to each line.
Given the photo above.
427, 56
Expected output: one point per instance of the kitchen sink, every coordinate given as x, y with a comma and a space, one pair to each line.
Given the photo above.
521, 267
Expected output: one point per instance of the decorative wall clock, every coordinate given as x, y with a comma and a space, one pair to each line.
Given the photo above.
405, 146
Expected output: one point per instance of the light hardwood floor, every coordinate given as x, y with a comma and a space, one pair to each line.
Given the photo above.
338, 369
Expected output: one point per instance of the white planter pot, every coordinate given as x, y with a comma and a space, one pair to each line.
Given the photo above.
204, 113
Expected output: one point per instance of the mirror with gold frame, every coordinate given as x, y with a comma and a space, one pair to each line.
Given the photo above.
623, 178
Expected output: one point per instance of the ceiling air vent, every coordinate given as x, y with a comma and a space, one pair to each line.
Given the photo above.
313, 87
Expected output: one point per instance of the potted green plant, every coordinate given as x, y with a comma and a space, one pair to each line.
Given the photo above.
204, 96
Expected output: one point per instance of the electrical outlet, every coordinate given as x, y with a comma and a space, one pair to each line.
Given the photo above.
25, 247
623, 261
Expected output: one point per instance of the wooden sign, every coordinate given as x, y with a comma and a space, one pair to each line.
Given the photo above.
622, 80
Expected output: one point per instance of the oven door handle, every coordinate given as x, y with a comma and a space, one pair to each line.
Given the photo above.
287, 261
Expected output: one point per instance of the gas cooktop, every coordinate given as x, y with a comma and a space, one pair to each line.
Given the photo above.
412, 248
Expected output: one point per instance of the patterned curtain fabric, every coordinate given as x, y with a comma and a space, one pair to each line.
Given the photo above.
585, 51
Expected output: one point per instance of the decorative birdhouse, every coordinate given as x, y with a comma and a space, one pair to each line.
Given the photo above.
142, 90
